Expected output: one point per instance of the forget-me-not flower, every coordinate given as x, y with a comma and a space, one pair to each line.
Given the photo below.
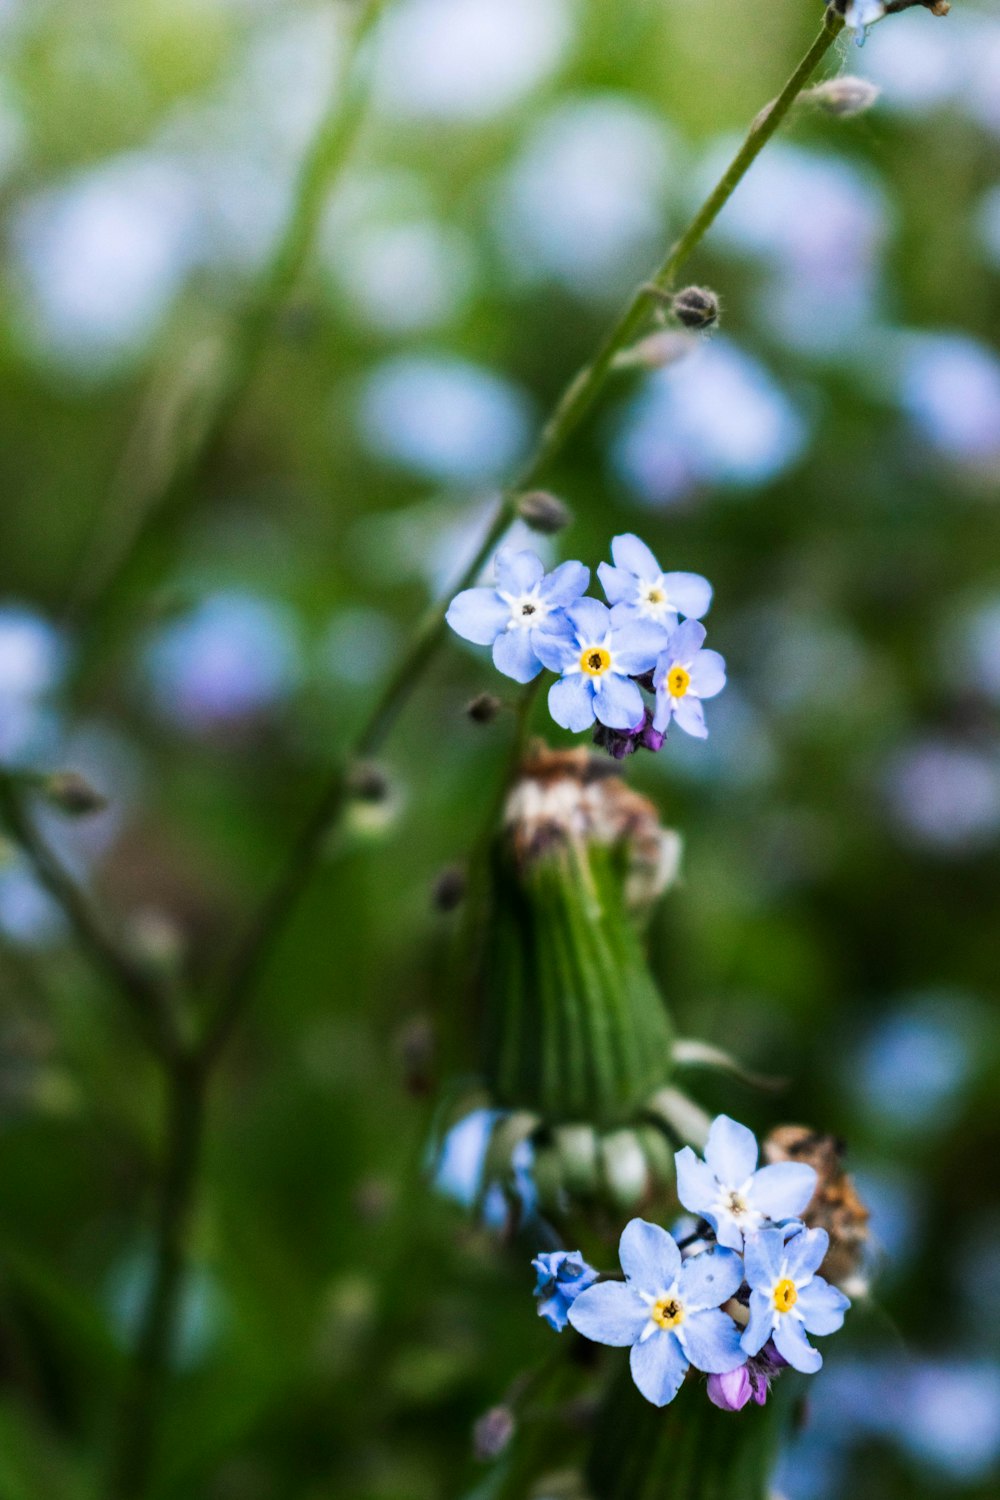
684, 675
638, 583
860, 14
728, 1190
562, 1276
598, 651
669, 1310
787, 1298
524, 600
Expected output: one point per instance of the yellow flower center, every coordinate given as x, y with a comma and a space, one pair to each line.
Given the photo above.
678, 681
667, 1312
595, 661
785, 1296
655, 595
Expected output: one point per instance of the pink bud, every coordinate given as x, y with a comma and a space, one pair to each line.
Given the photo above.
730, 1392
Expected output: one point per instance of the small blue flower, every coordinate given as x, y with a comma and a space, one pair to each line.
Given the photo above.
684, 675
728, 1191
860, 14
787, 1298
508, 616
598, 651
562, 1276
638, 583
669, 1310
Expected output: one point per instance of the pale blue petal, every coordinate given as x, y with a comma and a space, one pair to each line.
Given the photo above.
709, 1279
691, 717
590, 619
571, 703
758, 1330
636, 642
712, 1341
663, 712
763, 1256
782, 1191
727, 1231
514, 655
731, 1151
658, 1367
822, 1306
791, 1343
708, 674
556, 646
634, 556
697, 1187
609, 1313
618, 702
565, 583
517, 572
478, 615
805, 1252
649, 1256
685, 642
689, 593
618, 585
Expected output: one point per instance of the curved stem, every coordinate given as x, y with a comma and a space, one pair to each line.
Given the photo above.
569, 411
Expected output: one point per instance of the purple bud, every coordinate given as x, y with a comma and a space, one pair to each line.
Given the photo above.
732, 1391
621, 742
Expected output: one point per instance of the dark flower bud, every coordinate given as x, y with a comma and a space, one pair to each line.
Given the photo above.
696, 307
543, 512
483, 708
492, 1433
843, 97
369, 783
73, 794
936, 7
622, 742
449, 888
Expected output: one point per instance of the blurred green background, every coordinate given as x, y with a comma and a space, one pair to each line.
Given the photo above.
830, 460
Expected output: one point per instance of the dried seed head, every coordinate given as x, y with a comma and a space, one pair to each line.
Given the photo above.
835, 1206
484, 708
843, 97
544, 512
696, 307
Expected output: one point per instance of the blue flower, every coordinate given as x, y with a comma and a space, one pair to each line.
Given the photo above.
598, 651
562, 1276
669, 1310
787, 1298
509, 615
638, 584
684, 675
728, 1191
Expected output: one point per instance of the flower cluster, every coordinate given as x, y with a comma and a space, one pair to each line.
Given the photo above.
650, 637
736, 1300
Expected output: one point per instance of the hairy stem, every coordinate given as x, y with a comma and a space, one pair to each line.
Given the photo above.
569, 411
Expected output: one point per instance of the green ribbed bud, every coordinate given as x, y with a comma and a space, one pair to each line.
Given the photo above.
575, 1028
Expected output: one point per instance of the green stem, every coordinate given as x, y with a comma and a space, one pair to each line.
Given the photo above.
579, 396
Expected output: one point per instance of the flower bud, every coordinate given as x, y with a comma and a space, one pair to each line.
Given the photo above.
666, 346
696, 307
483, 708
543, 512
369, 783
492, 1432
843, 97
73, 794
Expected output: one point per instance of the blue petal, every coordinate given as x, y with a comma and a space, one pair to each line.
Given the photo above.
664, 711
822, 1306
478, 615
758, 1330
791, 1343
634, 556
554, 1310
658, 1367
571, 702
517, 572
763, 1256
590, 619
636, 642
618, 702
689, 593
565, 583
727, 1231
782, 1191
709, 1279
806, 1252
712, 1341
649, 1256
686, 641
697, 1187
618, 585
556, 645
731, 1151
514, 655
609, 1313
708, 674
691, 717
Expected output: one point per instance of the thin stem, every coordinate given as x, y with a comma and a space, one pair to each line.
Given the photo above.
134, 1451
146, 999
148, 497
569, 411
